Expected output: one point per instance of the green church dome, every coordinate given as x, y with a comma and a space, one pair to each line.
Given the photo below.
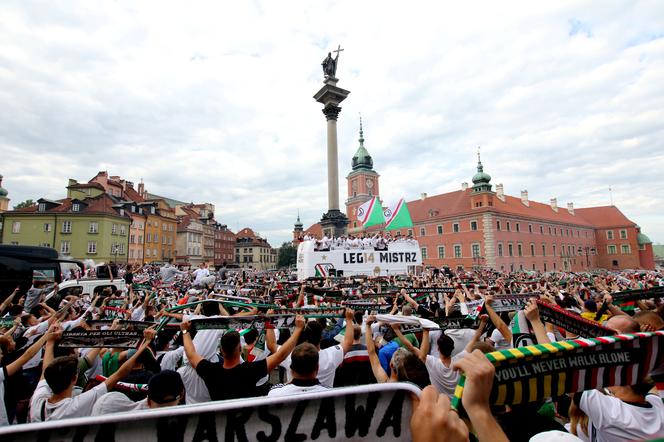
3, 191
362, 159
643, 239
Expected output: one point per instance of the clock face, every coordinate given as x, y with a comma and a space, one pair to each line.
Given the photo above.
369, 184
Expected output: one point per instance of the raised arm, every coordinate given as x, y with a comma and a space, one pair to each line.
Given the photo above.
276, 358
51, 339
477, 335
53, 332
419, 352
125, 369
532, 315
376, 368
348, 335
188, 344
497, 321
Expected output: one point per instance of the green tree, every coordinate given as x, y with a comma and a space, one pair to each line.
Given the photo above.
287, 255
24, 204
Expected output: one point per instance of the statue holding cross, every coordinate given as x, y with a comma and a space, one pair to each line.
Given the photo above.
330, 64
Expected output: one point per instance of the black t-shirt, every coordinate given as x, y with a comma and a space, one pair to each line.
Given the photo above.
231, 383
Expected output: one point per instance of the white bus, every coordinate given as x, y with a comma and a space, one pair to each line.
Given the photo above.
400, 258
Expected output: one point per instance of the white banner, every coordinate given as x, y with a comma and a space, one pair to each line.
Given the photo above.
367, 412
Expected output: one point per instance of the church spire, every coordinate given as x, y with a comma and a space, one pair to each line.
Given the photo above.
362, 159
481, 180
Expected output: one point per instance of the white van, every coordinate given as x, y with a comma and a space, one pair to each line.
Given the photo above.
89, 286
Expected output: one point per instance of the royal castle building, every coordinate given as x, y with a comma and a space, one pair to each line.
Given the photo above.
478, 225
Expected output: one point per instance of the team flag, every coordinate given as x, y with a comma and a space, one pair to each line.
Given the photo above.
371, 213
397, 216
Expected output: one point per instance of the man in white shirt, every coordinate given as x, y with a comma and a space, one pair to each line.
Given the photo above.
625, 413
165, 389
200, 273
52, 400
328, 359
304, 368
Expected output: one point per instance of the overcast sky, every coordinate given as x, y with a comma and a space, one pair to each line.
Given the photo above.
212, 101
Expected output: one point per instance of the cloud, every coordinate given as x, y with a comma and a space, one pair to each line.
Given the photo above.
213, 102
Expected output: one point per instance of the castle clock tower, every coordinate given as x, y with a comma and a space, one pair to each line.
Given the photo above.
362, 183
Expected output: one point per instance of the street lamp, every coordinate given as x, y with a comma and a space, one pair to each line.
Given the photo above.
588, 251
114, 252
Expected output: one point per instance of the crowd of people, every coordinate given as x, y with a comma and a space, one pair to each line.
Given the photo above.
377, 241
42, 380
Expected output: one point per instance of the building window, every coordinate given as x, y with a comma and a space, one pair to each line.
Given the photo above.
457, 251
131, 239
509, 228
624, 249
498, 225
642, 246
518, 227
532, 249
93, 228
92, 247
123, 229
623, 233
544, 251
611, 249
66, 227
114, 229
424, 253
147, 253
410, 232
455, 227
76, 207
148, 238
65, 247
140, 239
545, 267
609, 234
422, 231
530, 228
476, 250
47, 227
500, 249
510, 249
554, 250
473, 225
121, 248
542, 230
42, 207
441, 252
16, 227
440, 230
519, 249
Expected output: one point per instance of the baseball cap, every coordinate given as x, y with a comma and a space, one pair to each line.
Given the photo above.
165, 386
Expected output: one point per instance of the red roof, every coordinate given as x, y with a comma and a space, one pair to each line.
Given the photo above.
246, 233
605, 216
446, 204
458, 203
316, 230
100, 205
133, 195
86, 186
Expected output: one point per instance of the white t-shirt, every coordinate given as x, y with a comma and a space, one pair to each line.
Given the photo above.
199, 274
461, 338
170, 359
615, 420
3, 411
328, 361
443, 378
116, 402
206, 342
77, 406
290, 389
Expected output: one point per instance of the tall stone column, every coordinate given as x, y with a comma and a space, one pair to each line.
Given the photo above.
334, 222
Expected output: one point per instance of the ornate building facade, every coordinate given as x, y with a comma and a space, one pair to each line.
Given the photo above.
479, 226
